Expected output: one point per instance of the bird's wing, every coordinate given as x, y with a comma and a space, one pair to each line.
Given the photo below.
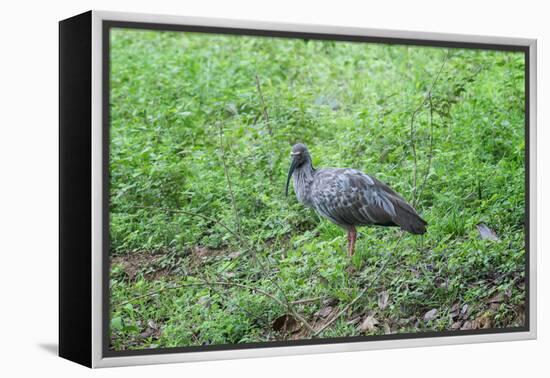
350, 197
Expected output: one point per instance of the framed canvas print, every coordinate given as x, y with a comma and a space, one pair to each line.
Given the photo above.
236, 189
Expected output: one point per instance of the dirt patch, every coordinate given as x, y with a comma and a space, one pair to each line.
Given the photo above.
158, 265
144, 263
201, 255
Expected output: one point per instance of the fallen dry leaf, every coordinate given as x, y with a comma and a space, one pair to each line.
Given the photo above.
456, 325
484, 321
354, 320
330, 302
467, 325
455, 310
497, 298
368, 325
486, 233
464, 311
430, 315
147, 333
285, 324
324, 312
383, 298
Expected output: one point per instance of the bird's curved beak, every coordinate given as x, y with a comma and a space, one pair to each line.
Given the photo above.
290, 172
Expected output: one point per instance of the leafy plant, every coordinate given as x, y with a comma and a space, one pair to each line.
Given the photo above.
177, 227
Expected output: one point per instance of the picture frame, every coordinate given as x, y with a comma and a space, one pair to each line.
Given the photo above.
84, 126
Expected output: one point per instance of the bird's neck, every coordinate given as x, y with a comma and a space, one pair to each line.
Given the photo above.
303, 178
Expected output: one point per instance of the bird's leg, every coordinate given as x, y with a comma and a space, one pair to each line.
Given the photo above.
352, 236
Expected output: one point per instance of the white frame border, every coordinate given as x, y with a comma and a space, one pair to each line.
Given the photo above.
97, 184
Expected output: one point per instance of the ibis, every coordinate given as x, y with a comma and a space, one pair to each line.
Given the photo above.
349, 198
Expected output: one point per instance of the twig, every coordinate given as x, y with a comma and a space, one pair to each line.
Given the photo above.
413, 116
361, 293
248, 246
269, 128
201, 283
228, 179
238, 234
430, 155
253, 315
264, 107
307, 300
205, 217
286, 304
221, 283
413, 147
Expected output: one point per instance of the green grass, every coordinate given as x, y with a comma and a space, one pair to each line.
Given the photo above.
177, 98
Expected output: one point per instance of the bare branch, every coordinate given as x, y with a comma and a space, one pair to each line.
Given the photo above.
228, 179
222, 283
430, 155
238, 234
201, 283
191, 213
264, 107
249, 247
269, 129
307, 300
427, 97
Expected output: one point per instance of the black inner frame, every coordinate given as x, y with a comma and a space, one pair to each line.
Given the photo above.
107, 25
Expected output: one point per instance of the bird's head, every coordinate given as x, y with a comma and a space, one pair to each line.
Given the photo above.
300, 156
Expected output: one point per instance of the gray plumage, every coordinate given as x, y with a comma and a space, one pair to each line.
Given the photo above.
349, 197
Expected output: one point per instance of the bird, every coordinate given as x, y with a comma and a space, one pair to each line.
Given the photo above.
349, 198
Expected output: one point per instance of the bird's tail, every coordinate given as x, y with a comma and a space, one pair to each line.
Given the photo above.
408, 219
